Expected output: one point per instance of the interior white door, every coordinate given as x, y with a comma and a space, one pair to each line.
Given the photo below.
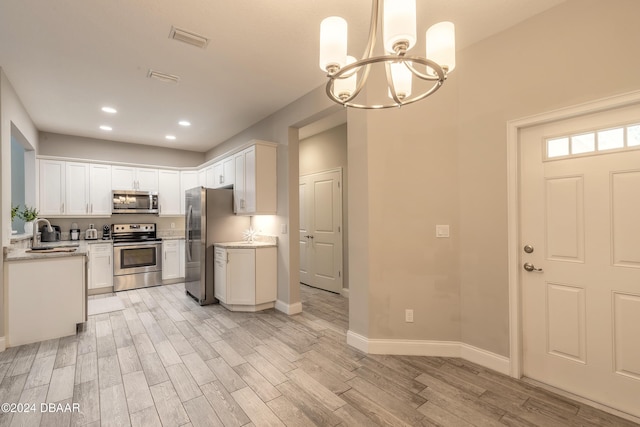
321, 230
580, 214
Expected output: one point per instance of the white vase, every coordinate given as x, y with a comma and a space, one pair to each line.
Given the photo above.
28, 227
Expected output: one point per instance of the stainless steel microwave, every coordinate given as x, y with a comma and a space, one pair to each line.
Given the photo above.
134, 202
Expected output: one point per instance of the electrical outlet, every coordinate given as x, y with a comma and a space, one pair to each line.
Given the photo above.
408, 315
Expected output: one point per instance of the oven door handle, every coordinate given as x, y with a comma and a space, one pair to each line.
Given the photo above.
189, 239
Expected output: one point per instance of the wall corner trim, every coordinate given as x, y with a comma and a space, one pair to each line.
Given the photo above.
290, 309
468, 352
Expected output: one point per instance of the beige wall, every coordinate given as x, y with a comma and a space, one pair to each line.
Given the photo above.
576, 52
326, 151
77, 147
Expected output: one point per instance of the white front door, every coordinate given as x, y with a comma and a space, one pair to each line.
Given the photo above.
321, 230
580, 217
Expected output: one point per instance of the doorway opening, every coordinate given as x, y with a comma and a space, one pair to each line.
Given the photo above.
323, 167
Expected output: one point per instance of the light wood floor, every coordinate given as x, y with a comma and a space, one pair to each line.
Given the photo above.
166, 361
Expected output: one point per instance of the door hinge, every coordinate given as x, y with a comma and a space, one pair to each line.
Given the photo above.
339, 273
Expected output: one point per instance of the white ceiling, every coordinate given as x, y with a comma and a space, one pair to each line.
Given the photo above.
68, 58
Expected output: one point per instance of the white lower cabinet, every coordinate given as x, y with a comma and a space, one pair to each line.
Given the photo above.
245, 279
171, 260
181, 257
44, 299
100, 265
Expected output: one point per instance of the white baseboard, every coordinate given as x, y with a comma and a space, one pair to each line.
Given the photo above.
468, 352
345, 292
289, 308
3, 344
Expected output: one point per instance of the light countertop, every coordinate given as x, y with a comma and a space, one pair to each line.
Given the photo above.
245, 245
22, 254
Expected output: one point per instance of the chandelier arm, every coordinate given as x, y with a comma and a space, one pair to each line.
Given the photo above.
373, 29
434, 66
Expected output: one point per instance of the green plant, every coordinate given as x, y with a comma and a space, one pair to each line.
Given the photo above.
29, 214
15, 210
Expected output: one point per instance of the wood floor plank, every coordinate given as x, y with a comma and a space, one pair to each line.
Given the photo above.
143, 344
40, 373
257, 382
168, 405
109, 373
113, 407
198, 369
201, 413
87, 396
183, 382
266, 369
62, 382
86, 367
315, 389
310, 406
371, 409
153, 368
289, 413
392, 404
137, 391
129, 360
146, 418
226, 375
232, 357
31, 396
255, 408
227, 409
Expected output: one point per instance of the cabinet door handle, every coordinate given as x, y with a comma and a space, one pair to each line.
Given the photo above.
86, 208
91, 208
221, 179
62, 207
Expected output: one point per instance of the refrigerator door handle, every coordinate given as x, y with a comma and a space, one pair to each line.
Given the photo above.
188, 233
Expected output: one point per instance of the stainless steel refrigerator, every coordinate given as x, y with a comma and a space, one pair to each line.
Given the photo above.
209, 219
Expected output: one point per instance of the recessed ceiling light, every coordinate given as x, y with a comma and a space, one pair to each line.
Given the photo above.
171, 137
184, 123
105, 127
109, 110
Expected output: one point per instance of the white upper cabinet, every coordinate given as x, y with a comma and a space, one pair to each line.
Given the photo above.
77, 189
129, 178
52, 187
255, 186
74, 188
202, 177
210, 178
188, 180
224, 173
100, 189
169, 192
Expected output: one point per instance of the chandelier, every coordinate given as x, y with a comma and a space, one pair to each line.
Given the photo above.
348, 76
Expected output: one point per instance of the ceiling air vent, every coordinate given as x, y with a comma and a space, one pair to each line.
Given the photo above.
188, 37
167, 78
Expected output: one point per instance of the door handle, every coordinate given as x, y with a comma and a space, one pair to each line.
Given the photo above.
530, 267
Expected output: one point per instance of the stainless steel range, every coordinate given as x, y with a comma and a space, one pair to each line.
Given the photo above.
137, 255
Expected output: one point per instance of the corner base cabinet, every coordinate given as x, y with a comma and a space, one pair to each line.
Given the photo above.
44, 298
246, 279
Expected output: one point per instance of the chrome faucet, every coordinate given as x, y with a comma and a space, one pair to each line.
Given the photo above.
35, 229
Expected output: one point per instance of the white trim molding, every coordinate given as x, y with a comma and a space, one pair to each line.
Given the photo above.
513, 208
468, 352
289, 309
345, 292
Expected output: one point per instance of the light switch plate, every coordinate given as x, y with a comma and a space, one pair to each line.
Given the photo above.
442, 231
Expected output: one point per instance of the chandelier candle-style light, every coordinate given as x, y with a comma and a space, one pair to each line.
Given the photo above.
348, 76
